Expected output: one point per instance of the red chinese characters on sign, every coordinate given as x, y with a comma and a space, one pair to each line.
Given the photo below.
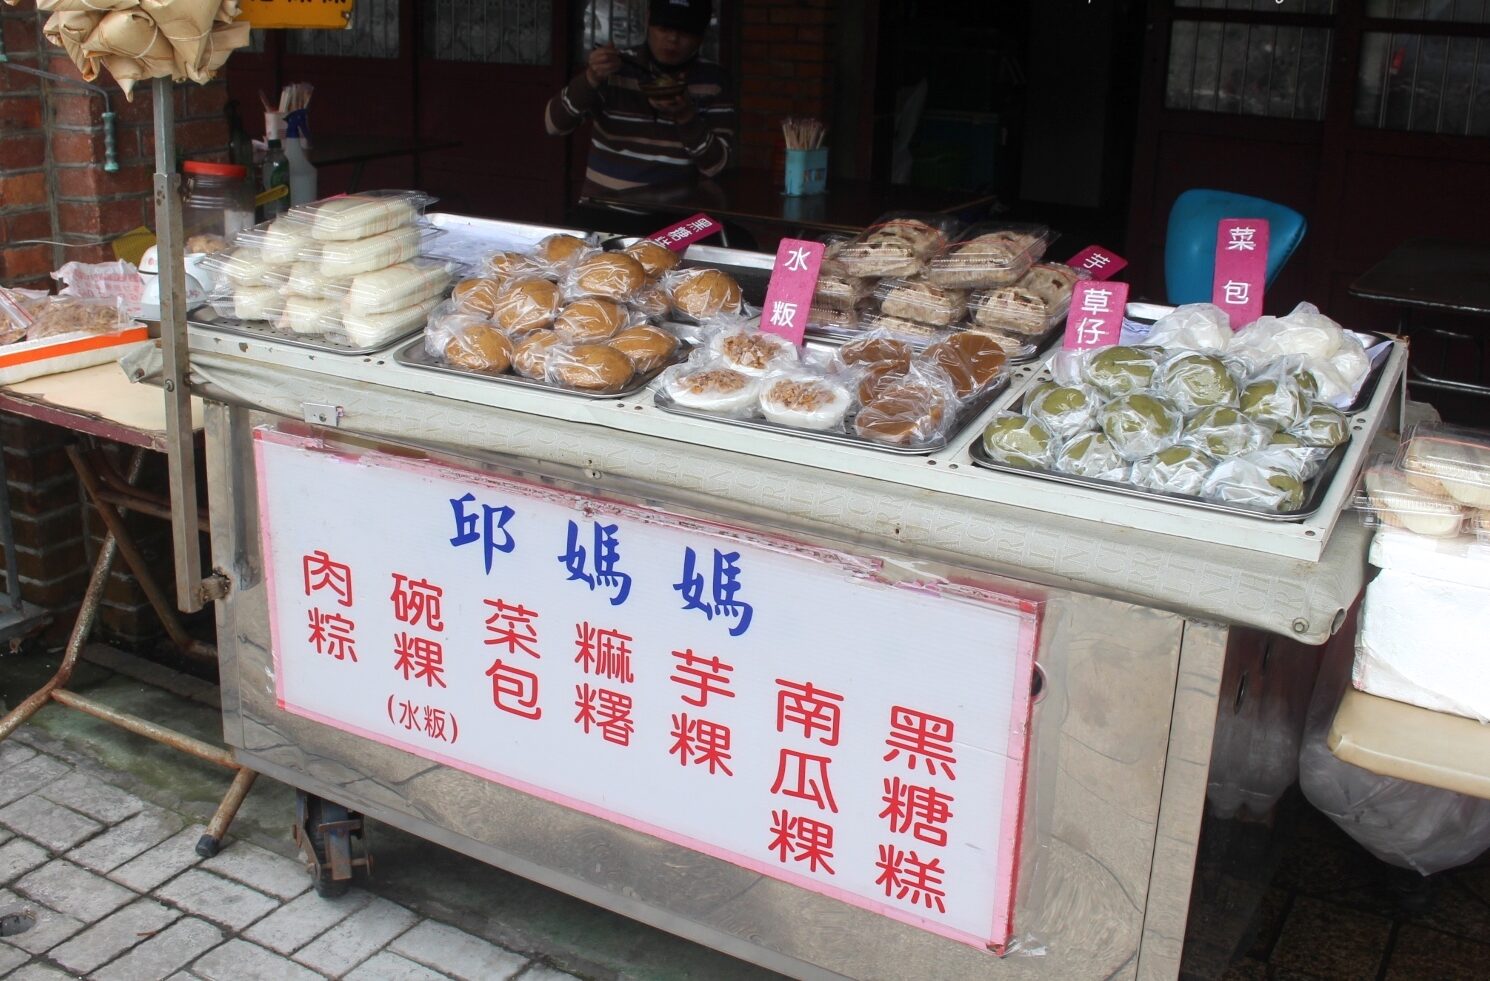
706, 675
514, 690
607, 711
924, 738
429, 720
604, 653
814, 709
416, 600
321, 572
922, 811
419, 659
701, 742
804, 776
805, 839
512, 627
331, 633
905, 875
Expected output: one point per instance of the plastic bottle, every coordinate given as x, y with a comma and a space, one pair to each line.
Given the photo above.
276, 181
302, 171
240, 147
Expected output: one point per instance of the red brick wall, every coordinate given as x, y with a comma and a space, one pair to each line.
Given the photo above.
785, 69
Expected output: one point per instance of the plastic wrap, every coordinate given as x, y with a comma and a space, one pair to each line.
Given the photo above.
836, 291
398, 287
1031, 306
468, 342
373, 329
646, 346
654, 259
1092, 455
612, 275
877, 346
348, 217
1194, 382
925, 303
1202, 327
805, 399
1414, 502
591, 319
708, 386
344, 258
1406, 824
257, 303
703, 293
505, 264
989, 254
911, 410
308, 315
477, 295
525, 304
1455, 456
561, 251
1117, 370
1321, 426
1245, 483
972, 361
651, 302
1019, 441
1175, 470
305, 279
530, 355
1303, 462
1063, 410
1016, 346
1140, 424
912, 330
18, 308
588, 368
61, 315
281, 241
1274, 398
242, 266
841, 324
1223, 432
751, 352
897, 244
1337, 359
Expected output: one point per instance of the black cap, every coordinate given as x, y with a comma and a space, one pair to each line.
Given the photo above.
688, 16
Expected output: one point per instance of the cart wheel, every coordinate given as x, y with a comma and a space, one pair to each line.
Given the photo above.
319, 812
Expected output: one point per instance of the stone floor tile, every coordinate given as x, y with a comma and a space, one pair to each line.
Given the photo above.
542, 972
89, 795
64, 886
39, 972
456, 953
17, 857
238, 960
384, 966
11, 958
125, 841
262, 869
12, 753
113, 935
297, 923
49, 930
1424, 953
214, 898
1330, 941
166, 952
30, 775
48, 823
170, 857
357, 938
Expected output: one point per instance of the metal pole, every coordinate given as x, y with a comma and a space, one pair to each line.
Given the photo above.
181, 447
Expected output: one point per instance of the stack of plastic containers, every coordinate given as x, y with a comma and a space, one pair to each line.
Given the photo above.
353, 270
1437, 485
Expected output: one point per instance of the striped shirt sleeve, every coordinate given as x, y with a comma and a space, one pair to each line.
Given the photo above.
571, 106
707, 136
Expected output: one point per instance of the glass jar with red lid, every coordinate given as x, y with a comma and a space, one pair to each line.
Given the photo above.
218, 204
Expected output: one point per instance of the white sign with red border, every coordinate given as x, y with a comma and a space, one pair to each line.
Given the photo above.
775, 705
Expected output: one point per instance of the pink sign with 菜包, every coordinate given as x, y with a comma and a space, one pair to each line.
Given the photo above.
793, 281
678, 237
1241, 268
1096, 315
1102, 263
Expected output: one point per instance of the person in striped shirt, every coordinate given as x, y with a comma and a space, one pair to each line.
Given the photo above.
665, 136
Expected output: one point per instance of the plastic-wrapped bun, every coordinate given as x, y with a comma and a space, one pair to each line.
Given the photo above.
1245, 483
750, 351
590, 319
651, 302
1351, 362
613, 275
502, 265
1202, 327
704, 293
589, 368
372, 329
973, 361
356, 216
445, 321
306, 315
1174, 470
1322, 426
256, 303
397, 287
1196, 381
647, 347
1120, 370
284, 239
710, 387
804, 400
1063, 410
526, 304
1276, 401
479, 347
1222, 431
560, 249
477, 296
1092, 455
654, 259
912, 410
530, 355
342, 259
1140, 425
1284, 450
1019, 441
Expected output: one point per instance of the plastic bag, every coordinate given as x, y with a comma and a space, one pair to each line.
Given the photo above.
591, 319
308, 315
1405, 824
1176, 470
344, 258
1202, 327
72, 315
914, 409
705, 384
911, 330
804, 398
989, 254
597, 368
374, 329
524, 304
397, 287
702, 294
280, 241
877, 346
504, 265
1193, 382
974, 362
1019, 441
1223, 432
257, 303
1245, 483
751, 352
18, 308
612, 275
561, 251
655, 259
1117, 370
1274, 397
647, 346
466, 340
1140, 424
305, 279
1063, 410
1092, 455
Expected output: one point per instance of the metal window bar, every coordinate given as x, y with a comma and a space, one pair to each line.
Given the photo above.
373, 33
1253, 69
505, 32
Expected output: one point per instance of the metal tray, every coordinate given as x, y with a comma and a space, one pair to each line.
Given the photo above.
206, 316
414, 355
970, 411
1313, 500
1368, 390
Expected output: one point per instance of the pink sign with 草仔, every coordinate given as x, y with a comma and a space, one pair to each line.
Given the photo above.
793, 281
1101, 262
678, 237
1241, 268
1096, 315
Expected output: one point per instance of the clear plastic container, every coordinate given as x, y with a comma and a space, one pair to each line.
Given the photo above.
898, 244
362, 215
913, 331
396, 287
1017, 346
841, 292
989, 254
1396, 498
1479, 523
352, 257
217, 205
1455, 458
1031, 306
925, 303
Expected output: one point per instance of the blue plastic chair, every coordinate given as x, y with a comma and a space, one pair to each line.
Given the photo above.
1190, 245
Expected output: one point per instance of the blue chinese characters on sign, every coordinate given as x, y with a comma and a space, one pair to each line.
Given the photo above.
489, 527
600, 565
723, 597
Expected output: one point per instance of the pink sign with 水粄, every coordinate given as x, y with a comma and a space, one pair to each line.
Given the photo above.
793, 281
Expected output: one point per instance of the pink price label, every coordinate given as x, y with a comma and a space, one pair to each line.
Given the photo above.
793, 281
678, 237
1102, 263
1241, 268
1096, 315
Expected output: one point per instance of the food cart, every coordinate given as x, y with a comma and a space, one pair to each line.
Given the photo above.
838, 712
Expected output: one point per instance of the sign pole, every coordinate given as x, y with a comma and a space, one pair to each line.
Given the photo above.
181, 446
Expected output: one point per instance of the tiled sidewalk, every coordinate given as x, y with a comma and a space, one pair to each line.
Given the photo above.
118, 893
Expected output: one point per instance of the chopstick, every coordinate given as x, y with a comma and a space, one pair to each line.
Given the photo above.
803, 134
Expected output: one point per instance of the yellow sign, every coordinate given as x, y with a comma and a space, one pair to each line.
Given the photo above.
334, 14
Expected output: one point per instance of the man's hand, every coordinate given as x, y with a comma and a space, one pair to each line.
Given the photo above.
678, 108
603, 62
